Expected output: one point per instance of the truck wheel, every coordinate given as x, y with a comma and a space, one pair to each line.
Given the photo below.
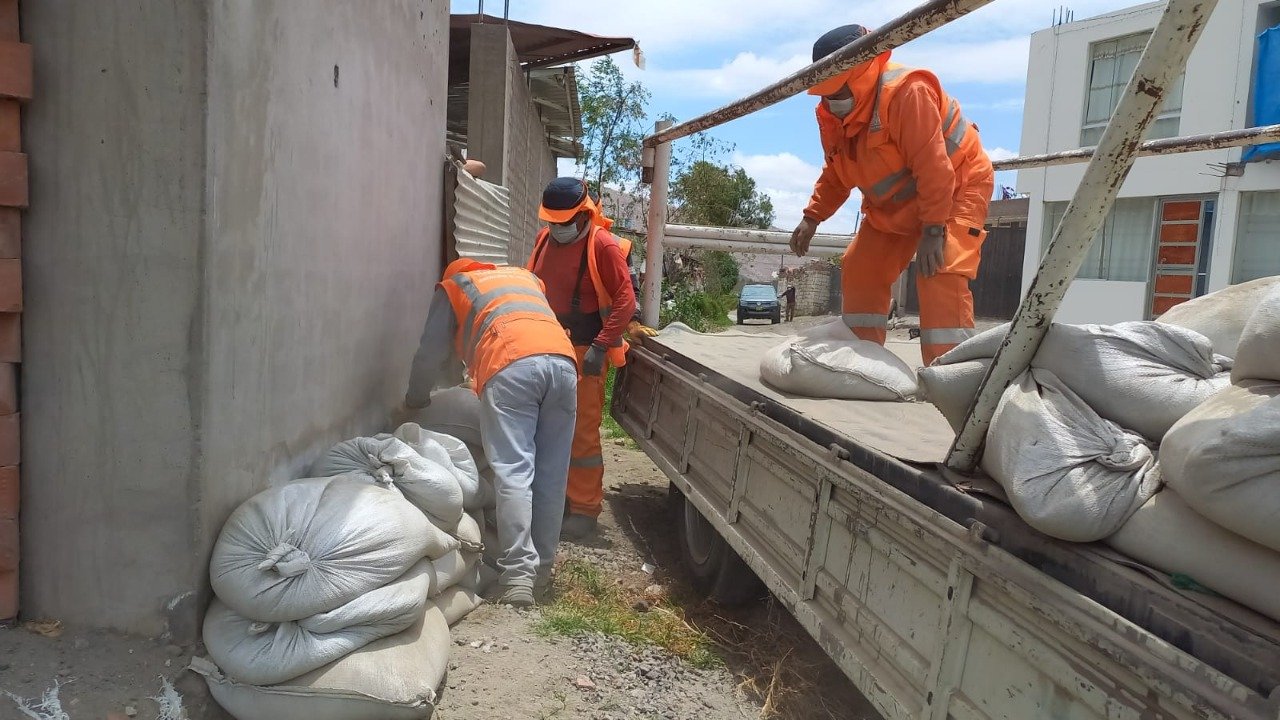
717, 570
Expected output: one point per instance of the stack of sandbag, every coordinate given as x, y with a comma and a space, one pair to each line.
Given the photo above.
1067, 472
455, 412
334, 595
829, 361
1143, 376
1219, 519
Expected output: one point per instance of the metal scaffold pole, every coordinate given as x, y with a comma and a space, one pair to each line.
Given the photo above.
658, 172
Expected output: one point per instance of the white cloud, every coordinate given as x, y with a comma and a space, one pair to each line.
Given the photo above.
998, 153
745, 73
788, 181
991, 62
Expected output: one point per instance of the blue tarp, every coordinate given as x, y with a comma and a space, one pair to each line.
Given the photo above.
1266, 94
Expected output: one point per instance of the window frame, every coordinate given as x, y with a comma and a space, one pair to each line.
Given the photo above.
1087, 127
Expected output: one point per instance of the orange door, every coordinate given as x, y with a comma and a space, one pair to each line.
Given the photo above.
1183, 237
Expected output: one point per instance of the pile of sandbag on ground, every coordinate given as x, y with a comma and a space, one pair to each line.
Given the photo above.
1218, 520
829, 361
1143, 376
334, 594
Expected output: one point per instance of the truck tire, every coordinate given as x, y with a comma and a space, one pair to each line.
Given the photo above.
717, 570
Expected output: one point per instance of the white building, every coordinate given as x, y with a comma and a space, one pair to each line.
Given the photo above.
1184, 224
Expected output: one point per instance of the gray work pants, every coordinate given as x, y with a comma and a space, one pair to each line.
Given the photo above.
527, 413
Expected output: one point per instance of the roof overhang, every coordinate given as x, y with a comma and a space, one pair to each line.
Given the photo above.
536, 45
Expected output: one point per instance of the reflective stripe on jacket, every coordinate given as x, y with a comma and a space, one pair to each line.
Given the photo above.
503, 316
617, 353
911, 159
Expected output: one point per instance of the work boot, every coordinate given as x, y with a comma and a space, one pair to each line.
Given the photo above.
576, 527
517, 596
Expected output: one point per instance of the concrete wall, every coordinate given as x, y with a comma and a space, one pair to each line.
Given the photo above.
1215, 98
505, 131
229, 264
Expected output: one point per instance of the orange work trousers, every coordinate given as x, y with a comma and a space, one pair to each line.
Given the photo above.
585, 490
875, 259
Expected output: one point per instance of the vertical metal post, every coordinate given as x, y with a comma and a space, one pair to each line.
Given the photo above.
1162, 61
657, 226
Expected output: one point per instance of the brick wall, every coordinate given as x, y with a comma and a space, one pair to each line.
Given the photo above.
15, 88
813, 287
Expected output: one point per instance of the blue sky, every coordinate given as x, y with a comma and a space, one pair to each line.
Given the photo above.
701, 54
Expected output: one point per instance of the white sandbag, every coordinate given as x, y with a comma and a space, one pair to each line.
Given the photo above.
453, 411
446, 451
1068, 473
457, 602
430, 486
469, 535
1221, 316
1169, 536
451, 570
1258, 356
1223, 458
952, 388
394, 678
831, 362
982, 346
477, 454
268, 653
1142, 375
310, 546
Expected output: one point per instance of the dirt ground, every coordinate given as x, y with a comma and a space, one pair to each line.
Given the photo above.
501, 666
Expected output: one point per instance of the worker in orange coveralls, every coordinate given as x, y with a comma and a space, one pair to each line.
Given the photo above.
588, 282
926, 183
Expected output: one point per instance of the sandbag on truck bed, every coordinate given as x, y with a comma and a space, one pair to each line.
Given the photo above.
394, 678
1142, 375
430, 486
1067, 472
1221, 316
1168, 535
829, 361
1258, 356
1223, 458
310, 546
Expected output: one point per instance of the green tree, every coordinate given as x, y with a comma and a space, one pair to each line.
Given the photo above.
721, 196
614, 113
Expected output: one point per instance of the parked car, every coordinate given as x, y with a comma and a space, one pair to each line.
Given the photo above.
759, 301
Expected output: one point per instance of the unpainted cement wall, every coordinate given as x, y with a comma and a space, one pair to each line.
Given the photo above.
233, 233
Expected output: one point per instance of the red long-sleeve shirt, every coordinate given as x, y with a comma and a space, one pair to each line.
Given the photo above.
557, 267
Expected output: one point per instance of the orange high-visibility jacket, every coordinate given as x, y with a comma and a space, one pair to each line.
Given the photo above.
618, 353
503, 316
910, 156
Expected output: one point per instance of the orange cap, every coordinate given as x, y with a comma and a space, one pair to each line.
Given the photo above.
462, 265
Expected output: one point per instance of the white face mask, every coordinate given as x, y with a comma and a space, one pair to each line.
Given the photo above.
567, 234
840, 108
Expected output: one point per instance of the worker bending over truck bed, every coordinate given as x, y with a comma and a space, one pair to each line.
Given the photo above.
926, 183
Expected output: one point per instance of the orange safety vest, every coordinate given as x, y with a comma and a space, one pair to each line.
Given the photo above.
618, 353
876, 165
503, 316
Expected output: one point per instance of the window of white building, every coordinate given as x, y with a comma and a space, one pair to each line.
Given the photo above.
1257, 252
1111, 64
1122, 248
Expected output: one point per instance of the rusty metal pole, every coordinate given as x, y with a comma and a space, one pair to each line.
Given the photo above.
658, 175
1164, 146
898, 31
1163, 59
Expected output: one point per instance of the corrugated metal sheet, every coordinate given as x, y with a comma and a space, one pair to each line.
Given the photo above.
481, 219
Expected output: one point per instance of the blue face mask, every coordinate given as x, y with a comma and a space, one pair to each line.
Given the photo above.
567, 234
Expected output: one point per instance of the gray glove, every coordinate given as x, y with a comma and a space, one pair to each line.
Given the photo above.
593, 362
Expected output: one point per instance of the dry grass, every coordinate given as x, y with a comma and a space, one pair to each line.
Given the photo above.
764, 657
588, 601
